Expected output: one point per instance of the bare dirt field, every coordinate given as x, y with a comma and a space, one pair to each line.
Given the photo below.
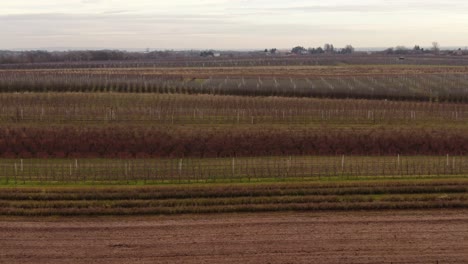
333, 237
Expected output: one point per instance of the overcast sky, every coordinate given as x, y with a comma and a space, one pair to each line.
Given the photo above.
230, 24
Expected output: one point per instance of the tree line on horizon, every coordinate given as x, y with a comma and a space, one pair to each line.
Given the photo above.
42, 56
327, 48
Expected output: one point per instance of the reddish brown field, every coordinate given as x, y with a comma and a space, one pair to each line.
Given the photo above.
357, 237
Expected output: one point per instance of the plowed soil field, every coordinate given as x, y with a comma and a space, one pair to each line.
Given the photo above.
436, 236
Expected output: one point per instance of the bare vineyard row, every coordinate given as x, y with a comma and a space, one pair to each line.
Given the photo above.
210, 109
429, 87
230, 169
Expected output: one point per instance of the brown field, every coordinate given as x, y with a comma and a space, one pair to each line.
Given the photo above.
436, 236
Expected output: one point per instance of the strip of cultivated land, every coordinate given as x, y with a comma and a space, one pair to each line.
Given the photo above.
414, 83
250, 61
183, 109
417, 237
223, 198
212, 170
257, 71
181, 142
106, 125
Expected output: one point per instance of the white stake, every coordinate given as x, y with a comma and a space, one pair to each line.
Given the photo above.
342, 163
233, 165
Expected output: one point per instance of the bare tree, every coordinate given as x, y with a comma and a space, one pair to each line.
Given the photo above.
329, 48
348, 49
435, 47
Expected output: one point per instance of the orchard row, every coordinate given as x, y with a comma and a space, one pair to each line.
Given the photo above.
167, 109
156, 142
437, 87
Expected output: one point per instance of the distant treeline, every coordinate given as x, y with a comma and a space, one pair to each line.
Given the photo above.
118, 58
38, 56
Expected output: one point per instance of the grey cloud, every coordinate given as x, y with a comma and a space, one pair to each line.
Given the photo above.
234, 27
46, 25
376, 8
118, 16
128, 24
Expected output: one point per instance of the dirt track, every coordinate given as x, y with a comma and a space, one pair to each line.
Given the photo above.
336, 237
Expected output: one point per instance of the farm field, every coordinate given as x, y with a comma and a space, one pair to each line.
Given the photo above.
319, 195
426, 83
151, 140
224, 170
250, 61
109, 125
427, 236
133, 109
